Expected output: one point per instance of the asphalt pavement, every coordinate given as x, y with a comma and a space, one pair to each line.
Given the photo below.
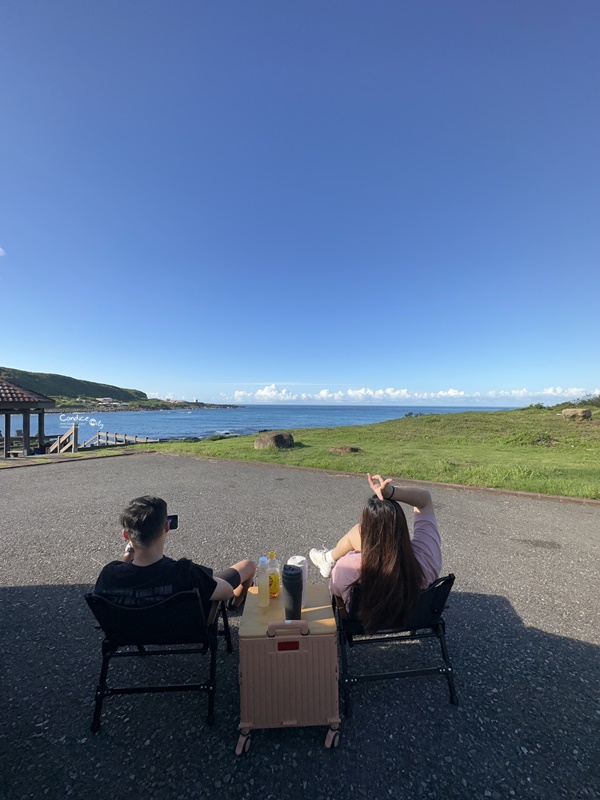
523, 632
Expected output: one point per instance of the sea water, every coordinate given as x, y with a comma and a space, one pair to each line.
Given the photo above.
200, 423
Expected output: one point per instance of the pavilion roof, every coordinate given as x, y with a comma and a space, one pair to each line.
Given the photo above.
16, 398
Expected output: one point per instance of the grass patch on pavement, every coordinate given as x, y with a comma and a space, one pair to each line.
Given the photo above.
532, 450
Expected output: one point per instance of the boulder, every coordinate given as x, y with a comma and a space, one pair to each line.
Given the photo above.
577, 413
344, 451
279, 439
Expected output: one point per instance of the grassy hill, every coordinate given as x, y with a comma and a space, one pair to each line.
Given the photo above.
62, 386
531, 449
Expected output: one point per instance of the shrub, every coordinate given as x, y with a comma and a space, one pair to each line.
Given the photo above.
588, 400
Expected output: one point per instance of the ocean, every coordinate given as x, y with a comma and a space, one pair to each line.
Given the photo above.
200, 423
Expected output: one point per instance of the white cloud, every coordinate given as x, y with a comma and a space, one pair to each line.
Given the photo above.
559, 392
512, 393
271, 393
443, 394
2, 252
268, 394
324, 395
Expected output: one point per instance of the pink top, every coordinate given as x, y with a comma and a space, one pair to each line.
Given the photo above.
427, 548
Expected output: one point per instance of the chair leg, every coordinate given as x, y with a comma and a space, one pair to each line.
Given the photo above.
449, 672
226, 630
100, 694
210, 717
344, 676
451, 687
347, 701
212, 687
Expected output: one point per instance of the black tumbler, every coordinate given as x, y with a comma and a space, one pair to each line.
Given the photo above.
291, 583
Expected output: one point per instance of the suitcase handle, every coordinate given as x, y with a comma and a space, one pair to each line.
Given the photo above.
289, 625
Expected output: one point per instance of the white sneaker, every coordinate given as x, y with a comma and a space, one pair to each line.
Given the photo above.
322, 559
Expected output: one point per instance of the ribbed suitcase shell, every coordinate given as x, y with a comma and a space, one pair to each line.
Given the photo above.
288, 679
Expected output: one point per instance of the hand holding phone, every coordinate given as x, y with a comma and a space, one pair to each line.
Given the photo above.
173, 521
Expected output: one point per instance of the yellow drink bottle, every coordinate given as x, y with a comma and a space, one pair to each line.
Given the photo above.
274, 575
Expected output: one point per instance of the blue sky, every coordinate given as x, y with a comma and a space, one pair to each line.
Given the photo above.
318, 200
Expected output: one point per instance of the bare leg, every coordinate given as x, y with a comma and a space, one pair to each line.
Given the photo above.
349, 542
246, 568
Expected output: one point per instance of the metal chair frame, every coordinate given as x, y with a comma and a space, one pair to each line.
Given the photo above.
176, 620
426, 622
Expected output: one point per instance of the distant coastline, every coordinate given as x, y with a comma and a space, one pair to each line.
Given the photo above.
103, 409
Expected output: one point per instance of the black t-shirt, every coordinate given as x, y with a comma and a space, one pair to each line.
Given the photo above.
131, 585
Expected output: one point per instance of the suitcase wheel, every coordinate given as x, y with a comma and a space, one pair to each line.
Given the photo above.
243, 744
332, 739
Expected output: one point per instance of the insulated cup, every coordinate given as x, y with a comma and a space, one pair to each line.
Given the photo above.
291, 582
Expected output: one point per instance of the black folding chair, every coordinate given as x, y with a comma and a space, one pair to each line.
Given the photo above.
176, 620
426, 622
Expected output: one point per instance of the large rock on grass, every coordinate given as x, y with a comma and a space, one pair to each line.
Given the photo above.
577, 413
278, 439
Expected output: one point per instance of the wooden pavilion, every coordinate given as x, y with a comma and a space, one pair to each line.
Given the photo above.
17, 400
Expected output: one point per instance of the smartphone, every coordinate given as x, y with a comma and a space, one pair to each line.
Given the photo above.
173, 521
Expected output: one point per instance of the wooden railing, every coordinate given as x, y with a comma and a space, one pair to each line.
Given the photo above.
66, 442
106, 439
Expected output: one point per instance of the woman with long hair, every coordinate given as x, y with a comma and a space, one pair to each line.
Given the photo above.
392, 568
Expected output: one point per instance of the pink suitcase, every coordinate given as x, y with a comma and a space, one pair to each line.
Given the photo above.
288, 669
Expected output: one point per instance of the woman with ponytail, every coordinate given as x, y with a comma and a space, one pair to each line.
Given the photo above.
378, 552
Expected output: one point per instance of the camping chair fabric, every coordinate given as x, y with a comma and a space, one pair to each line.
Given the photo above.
426, 621
176, 620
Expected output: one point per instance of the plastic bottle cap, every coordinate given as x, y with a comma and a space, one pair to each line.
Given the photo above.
262, 560
272, 554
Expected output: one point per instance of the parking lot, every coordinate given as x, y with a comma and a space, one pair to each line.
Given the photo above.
522, 627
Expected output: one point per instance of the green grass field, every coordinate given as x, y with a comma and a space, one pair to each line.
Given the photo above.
532, 450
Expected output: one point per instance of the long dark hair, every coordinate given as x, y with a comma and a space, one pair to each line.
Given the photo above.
390, 575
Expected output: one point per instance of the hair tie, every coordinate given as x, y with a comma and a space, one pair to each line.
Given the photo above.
393, 492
